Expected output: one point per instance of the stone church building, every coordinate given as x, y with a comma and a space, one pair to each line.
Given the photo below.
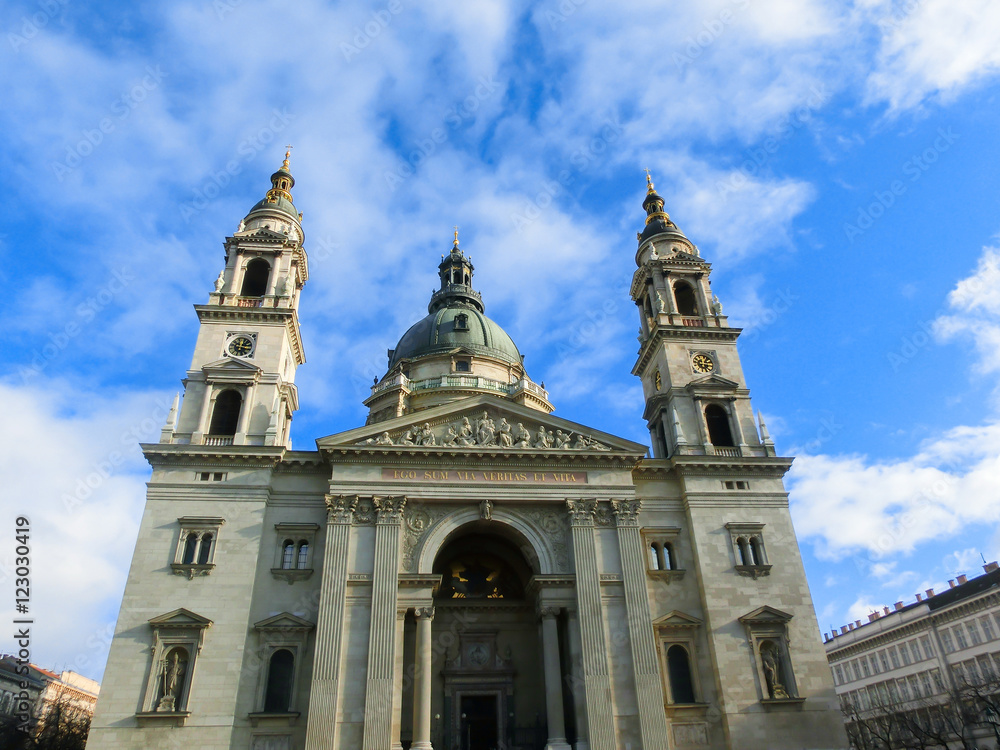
465, 571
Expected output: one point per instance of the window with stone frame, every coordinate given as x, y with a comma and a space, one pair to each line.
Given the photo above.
663, 553
677, 636
959, 632
178, 638
946, 641
295, 545
197, 540
973, 629
767, 632
987, 626
749, 554
282, 641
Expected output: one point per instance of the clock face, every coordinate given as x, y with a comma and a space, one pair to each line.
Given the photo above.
702, 363
240, 346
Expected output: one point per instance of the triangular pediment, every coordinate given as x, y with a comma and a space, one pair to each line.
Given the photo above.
284, 621
180, 618
677, 619
231, 364
765, 614
712, 381
482, 423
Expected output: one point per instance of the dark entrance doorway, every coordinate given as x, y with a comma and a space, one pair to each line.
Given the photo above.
479, 722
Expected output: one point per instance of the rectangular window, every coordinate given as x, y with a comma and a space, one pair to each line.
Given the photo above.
838, 675
915, 651
904, 654
986, 667
864, 667
925, 680
973, 629
904, 689
883, 661
946, 641
987, 627
894, 657
925, 641
936, 676
960, 637
857, 672
914, 686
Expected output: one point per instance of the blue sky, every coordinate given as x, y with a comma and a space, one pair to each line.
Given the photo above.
835, 161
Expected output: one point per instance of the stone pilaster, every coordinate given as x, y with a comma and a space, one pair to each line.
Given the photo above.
379, 690
576, 675
553, 680
324, 693
397, 681
596, 678
648, 684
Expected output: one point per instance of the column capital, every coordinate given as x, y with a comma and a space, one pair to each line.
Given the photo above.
547, 611
581, 512
401, 612
424, 612
340, 508
626, 512
390, 509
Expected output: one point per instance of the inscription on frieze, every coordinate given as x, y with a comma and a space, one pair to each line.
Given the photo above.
477, 476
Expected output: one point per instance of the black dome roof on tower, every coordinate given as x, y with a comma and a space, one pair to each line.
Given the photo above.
657, 220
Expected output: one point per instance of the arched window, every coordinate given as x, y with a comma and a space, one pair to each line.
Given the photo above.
679, 669
756, 551
278, 693
654, 557
669, 563
744, 550
288, 555
303, 555
255, 277
205, 551
190, 548
719, 432
226, 416
684, 296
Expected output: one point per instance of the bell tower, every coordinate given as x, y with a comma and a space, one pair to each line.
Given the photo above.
697, 402
240, 388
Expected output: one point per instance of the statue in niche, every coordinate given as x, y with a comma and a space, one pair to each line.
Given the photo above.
544, 439
504, 434
171, 680
426, 437
450, 436
220, 281
486, 509
562, 440
465, 433
522, 438
486, 430
771, 660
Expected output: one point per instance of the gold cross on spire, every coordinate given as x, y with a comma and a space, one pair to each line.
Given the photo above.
288, 153
456, 235
649, 181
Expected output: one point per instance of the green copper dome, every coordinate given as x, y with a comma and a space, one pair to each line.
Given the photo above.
443, 330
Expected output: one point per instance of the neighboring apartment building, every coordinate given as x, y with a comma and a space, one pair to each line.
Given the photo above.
43, 690
905, 671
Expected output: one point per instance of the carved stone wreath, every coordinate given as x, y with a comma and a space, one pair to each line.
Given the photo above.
486, 432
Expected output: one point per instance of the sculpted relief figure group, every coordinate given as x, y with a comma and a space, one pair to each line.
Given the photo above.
485, 432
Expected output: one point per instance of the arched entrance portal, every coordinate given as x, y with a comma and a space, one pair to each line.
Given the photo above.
489, 683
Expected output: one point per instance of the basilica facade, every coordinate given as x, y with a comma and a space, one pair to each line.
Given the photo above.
465, 571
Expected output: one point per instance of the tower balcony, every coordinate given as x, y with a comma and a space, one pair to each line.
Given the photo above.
268, 301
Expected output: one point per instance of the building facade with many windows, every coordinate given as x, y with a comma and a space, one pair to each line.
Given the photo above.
465, 570
927, 669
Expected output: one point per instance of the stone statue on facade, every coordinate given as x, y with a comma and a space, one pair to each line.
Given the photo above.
450, 436
486, 509
288, 289
504, 436
465, 433
383, 439
522, 438
562, 440
716, 305
171, 676
426, 437
772, 673
220, 281
661, 303
544, 439
486, 430
409, 437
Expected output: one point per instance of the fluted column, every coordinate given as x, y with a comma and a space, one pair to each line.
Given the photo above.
646, 667
423, 662
576, 675
596, 679
382, 632
397, 681
322, 728
553, 680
